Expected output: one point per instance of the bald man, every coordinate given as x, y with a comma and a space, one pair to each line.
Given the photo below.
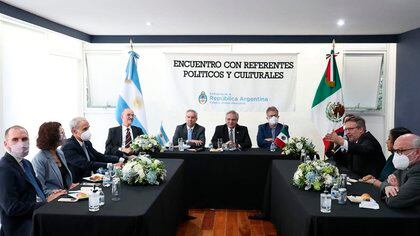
20, 191
402, 188
120, 137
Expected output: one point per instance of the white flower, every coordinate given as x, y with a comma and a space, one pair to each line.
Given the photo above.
328, 179
299, 146
139, 170
156, 162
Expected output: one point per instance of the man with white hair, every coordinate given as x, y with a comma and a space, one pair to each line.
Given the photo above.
190, 131
402, 189
120, 137
81, 157
231, 133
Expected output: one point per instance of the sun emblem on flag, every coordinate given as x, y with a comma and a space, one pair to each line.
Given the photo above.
137, 102
334, 111
202, 99
127, 81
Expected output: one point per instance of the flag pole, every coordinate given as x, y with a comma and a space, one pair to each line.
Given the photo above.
333, 44
131, 44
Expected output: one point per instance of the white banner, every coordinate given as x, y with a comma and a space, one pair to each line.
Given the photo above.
241, 82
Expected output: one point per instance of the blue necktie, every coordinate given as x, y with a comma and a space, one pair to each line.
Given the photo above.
31, 178
273, 133
189, 134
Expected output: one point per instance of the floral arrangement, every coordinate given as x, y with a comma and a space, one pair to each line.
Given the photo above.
146, 143
315, 174
143, 170
295, 146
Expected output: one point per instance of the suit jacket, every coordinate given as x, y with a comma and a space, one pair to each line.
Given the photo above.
79, 165
17, 198
241, 135
264, 131
197, 134
363, 157
48, 173
114, 140
409, 188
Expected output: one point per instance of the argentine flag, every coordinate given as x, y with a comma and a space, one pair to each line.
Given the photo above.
131, 95
162, 138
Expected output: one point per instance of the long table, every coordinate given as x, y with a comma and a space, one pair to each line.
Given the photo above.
235, 180
297, 212
142, 210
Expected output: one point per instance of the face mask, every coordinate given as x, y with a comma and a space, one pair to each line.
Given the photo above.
19, 150
400, 162
273, 120
62, 138
85, 136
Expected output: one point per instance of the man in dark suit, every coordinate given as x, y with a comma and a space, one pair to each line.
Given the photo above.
269, 131
231, 133
190, 131
402, 189
20, 191
81, 157
120, 137
361, 153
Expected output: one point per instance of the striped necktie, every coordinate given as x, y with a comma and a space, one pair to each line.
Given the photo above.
127, 138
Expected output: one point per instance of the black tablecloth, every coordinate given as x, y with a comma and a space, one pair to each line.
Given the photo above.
235, 180
142, 210
297, 212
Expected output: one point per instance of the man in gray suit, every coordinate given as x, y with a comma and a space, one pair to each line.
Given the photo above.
190, 131
402, 189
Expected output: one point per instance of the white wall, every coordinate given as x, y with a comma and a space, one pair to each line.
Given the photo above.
42, 80
311, 65
41, 75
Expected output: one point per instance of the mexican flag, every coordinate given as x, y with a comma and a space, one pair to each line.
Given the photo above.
283, 137
327, 106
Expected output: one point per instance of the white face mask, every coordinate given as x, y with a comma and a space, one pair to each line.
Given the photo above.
273, 120
85, 136
400, 162
19, 150
62, 138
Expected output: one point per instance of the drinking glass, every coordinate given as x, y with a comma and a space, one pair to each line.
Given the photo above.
325, 202
180, 144
116, 189
219, 143
106, 180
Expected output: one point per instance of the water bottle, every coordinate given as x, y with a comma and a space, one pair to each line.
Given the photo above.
94, 200
106, 181
101, 197
272, 147
334, 192
302, 155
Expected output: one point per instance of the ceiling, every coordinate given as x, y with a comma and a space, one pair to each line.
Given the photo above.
229, 17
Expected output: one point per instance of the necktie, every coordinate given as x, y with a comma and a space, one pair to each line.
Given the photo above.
127, 138
32, 180
231, 135
189, 134
85, 150
273, 133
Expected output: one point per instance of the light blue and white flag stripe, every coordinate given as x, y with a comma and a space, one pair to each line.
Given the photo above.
131, 95
162, 138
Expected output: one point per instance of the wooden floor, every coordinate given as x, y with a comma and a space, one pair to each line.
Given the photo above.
222, 222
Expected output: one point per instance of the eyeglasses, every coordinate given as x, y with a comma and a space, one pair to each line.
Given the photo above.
401, 151
351, 128
131, 115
